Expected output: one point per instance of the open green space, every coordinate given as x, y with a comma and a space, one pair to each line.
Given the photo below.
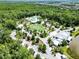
64, 49
37, 27
75, 33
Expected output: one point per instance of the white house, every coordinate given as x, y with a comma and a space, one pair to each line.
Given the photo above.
60, 36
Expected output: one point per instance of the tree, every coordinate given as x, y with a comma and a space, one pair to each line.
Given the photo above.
10, 24
37, 56
50, 42
33, 37
42, 48
37, 40
64, 43
33, 42
43, 34
4, 52
4, 36
31, 51
28, 38
14, 50
56, 50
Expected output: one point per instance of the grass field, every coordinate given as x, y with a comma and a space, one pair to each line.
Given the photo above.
64, 49
37, 27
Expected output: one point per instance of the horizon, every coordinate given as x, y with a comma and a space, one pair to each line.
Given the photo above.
44, 0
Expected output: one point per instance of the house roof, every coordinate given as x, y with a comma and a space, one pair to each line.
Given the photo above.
60, 36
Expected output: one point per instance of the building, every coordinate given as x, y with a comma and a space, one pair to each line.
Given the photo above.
60, 36
33, 19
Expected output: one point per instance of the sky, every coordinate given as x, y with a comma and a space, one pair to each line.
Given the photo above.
39, 0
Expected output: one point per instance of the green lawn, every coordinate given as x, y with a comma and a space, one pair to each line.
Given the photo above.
75, 33
64, 49
37, 27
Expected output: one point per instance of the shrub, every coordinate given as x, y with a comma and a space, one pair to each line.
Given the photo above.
31, 51
42, 48
37, 56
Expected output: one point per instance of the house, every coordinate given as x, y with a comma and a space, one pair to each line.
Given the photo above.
60, 36
60, 56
